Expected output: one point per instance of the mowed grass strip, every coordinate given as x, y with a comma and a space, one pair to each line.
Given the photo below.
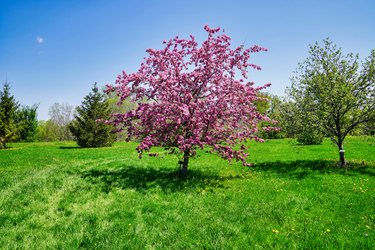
55, 195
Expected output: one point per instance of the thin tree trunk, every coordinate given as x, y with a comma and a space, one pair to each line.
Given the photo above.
184, 163
341, 154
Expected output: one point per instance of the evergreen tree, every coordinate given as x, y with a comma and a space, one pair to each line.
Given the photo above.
8, 108
28, 122
86, 131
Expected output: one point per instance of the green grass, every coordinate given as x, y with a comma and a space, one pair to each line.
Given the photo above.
55, 195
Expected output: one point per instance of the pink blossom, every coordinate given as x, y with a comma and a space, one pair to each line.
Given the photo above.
190, 96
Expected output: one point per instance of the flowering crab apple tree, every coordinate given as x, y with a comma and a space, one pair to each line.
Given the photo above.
188, 97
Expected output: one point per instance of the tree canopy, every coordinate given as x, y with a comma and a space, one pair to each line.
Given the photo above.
334, 92
28, 121
189, 96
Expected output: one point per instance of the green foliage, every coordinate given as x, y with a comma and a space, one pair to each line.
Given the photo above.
59, 196
263, 105
48, 131
290, 121
333, 94
28, 122
9, 129
125, 106
308, 129
273, 110
309, 134
368, 128
86, 130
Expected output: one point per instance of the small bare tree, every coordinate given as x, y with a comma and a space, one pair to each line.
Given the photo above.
62, 114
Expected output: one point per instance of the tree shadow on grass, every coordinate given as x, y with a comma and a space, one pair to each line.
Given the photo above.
303, 168
145, 179
166, 179
69, 147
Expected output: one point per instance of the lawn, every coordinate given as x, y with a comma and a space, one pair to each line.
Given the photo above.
55, 195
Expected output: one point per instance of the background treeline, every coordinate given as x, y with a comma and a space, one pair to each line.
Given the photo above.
17, 123
331, 95
20, 123
294, 124
25, 127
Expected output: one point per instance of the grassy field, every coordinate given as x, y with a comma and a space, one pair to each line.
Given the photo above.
55, 195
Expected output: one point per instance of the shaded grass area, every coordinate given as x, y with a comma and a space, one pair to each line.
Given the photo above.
142, 180
54, 195
304, 168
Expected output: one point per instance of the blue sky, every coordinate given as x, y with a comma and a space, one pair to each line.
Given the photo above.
53, 51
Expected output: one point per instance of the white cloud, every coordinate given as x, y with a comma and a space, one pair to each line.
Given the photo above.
39, 39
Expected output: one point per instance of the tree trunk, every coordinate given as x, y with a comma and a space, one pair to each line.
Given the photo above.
342, 154
184, 163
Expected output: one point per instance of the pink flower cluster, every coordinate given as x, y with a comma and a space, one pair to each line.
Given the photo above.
189, 96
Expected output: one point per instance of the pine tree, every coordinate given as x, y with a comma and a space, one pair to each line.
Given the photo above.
87, 132
28, 123
8, 110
